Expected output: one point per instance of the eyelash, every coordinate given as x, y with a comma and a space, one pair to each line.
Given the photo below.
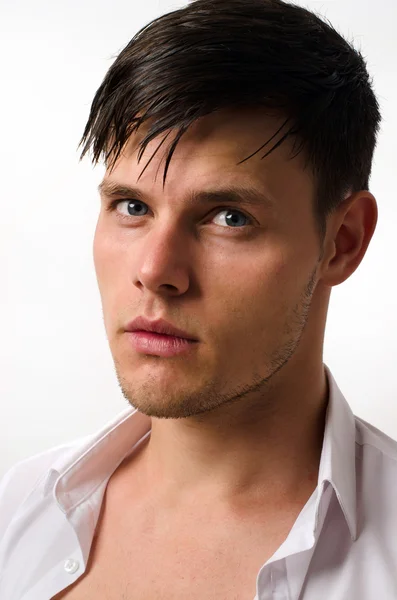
113, 204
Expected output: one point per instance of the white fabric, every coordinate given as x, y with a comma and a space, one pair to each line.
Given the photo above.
343, 545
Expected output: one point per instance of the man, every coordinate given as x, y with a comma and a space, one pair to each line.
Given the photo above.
239, 470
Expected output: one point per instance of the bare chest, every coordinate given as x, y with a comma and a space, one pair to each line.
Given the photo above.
168, 575
169, 561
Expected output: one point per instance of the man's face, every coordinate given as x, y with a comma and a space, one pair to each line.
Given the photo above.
241, 283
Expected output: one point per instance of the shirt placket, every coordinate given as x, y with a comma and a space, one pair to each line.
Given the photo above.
273, 584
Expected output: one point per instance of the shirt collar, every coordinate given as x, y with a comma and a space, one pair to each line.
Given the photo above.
73, 478
338, 456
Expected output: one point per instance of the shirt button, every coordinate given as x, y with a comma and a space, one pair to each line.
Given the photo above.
71, 565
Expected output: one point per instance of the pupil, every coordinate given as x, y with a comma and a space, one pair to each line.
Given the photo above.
234, 218
133, 205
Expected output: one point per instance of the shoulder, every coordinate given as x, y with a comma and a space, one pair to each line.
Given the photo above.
369, 437
376, 459
26, 475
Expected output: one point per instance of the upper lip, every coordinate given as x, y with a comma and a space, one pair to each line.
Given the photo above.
158, 326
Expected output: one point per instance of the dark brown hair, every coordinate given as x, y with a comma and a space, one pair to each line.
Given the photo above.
215, 54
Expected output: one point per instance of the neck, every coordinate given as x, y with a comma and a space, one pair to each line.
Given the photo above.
265, 450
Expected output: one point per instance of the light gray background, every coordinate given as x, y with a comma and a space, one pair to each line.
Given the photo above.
57, 378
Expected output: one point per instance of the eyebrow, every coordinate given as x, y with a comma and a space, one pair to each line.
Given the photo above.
241, 195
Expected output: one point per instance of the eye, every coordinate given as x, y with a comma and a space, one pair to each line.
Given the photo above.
235, 217
133, 208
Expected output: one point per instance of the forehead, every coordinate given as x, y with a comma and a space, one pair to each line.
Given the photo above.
209, 152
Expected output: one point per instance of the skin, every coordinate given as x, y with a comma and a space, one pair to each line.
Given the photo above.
239, 421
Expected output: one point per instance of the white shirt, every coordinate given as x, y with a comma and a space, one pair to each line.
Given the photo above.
343, 545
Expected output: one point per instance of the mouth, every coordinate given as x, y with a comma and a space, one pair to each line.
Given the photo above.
160, 327
149, 342
157, 335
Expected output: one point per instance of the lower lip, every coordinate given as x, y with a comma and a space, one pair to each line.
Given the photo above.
161, 345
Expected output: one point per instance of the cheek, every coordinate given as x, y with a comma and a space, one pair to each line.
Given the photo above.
253, 289
97, 245
272, 289
107, 255
108, 269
